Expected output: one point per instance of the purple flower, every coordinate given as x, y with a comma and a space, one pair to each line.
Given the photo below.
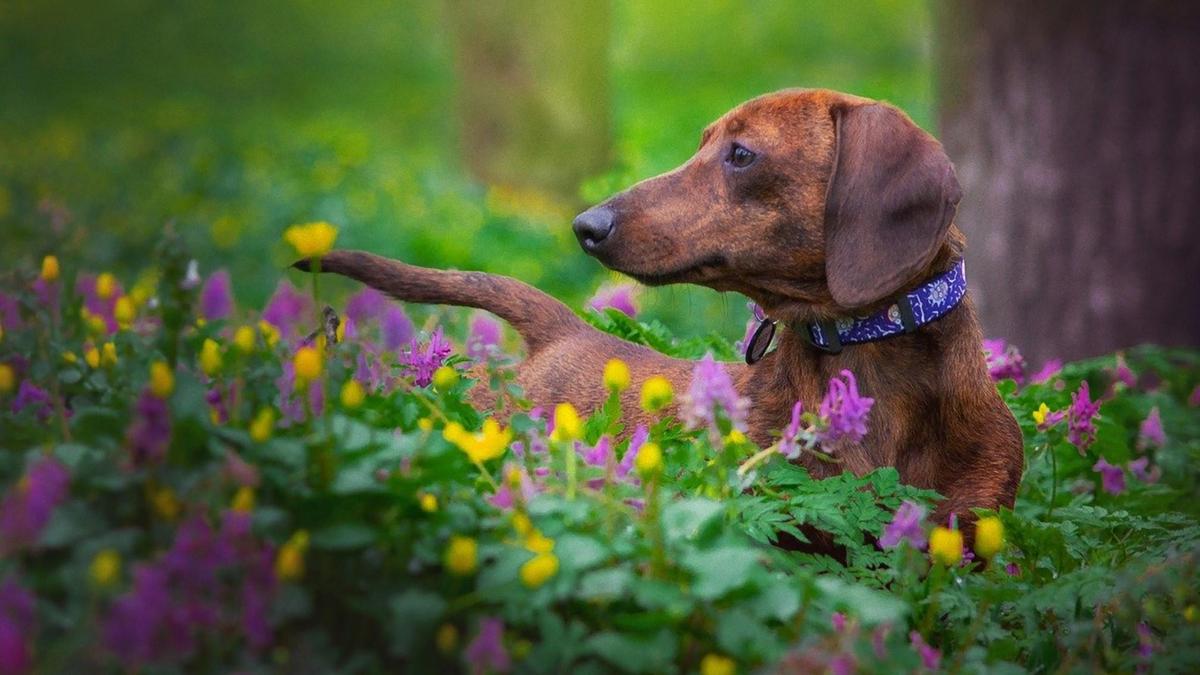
1194, 397
845, 411
29, 395
1081, 427
28, 506
711, 391
148, 437
789, 445
216, 299
287, 308
17, 614
639, 438
105, 308
616, 296
1151, 431
1141, 469
190, 593
10, 312
1145, 641
1012, 569
47, 293
1048, 370
483, 341
395, 328
838, 621
1111, 477
1003, 361
599, 454
486, 653
931, 658
366, 305
906, 525
422, 359
291, 404
1122, 373
843, 664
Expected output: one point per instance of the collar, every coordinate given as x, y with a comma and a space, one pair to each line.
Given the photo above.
923, 305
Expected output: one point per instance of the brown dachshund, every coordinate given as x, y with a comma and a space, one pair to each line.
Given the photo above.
818, 206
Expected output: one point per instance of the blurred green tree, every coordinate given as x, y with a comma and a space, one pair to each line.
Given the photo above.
533, 91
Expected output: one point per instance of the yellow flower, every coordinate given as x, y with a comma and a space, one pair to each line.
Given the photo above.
162, 380
428, 502
339, 333
425, 424
715, 664
656, 393
735, 437
125, 311
352, 394
989, 536
945, 546
69, 357
92, 357
95, 323
444, 378
648, 459
1190, 614
50, 268
307, 364
105, 568
289, 562
311, 239
567, 426
243, 339
539, 569
616, 375
537, 542
269, 332
106, 285
521, 524
462, 556
1, 332
108, 355
8, 378
165, 503
210, 357
262, 426
446, 638
488, 443
243, 500
1039, 415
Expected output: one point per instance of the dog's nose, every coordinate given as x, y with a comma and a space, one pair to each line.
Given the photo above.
593, 226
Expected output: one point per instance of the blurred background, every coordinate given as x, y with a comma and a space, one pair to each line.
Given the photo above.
459, 134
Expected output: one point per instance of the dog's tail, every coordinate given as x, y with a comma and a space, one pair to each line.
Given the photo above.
539, 318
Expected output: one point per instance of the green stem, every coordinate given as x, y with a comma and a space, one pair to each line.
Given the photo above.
569, 455
1053, 482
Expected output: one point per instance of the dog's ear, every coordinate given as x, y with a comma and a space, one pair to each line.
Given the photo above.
890, 200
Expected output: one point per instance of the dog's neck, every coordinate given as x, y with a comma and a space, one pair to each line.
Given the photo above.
916, 366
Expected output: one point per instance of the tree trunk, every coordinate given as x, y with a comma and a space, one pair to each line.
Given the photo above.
1075, 129
534, 100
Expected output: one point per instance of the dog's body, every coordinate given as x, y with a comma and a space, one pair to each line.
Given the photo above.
816, 205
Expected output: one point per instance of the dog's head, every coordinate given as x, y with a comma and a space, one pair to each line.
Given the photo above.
802, 197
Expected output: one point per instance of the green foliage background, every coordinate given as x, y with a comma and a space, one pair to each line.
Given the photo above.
234, 120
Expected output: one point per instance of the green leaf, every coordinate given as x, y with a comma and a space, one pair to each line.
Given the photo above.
343, 536
577, 552
720, 570
640, 654
686, 518
413, 615
607, 584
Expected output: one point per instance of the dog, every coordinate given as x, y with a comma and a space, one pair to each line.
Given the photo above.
829, 211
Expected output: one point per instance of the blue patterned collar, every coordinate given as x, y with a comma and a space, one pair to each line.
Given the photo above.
923, 305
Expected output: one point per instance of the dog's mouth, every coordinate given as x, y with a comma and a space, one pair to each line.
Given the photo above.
692, 272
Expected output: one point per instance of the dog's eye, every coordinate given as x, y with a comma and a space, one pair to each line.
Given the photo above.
739, 157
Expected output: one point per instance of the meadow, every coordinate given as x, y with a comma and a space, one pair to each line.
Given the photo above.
201, 470
191, 484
